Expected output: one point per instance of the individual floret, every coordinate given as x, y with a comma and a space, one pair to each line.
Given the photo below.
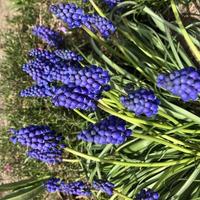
104, 186
141, 101
147, 194
184, 83
110, 130
48, 35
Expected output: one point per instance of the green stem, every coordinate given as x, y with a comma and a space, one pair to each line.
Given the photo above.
163, 114
161, 141
188, 182
99, 11
191, 45
121, 195
84, 116
129, 164
71, 160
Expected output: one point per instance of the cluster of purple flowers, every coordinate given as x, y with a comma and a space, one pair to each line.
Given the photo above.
184, 83
75, 17
78, 188
104, 186
56, 56
38, 91
147, 194
45, 144
82, 86
81, 89
73, 98
49, 36
110, 130
141, 101
110, 3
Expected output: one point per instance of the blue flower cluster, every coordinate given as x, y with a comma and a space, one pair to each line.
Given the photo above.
78, 188
45, 55
52, 185
75, 17
38, 91
141, 101
47, 156
110, 130
147, 194
48, 35
73, 98
112, 3
69, 13
68, 55
104, 186
184, 83
56, 56
46, 144
40, 71
93, 78
82, 86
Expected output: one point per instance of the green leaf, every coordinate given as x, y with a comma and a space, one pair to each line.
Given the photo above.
19, 184
24, 194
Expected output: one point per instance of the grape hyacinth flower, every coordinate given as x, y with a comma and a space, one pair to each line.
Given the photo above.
40, 71
72, 98
37, 137
68, 55
56, 56
184, 83
43, 55
104, 186
100, 24
47, 156
141, 101
75, 188
92, 77
75, 17
110, 130
38, 91
147, 194
112, 3
52, 185
48, 35
69, 13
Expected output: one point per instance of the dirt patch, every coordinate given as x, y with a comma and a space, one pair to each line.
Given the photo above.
192, 10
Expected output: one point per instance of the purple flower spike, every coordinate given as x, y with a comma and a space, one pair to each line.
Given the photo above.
110, 130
